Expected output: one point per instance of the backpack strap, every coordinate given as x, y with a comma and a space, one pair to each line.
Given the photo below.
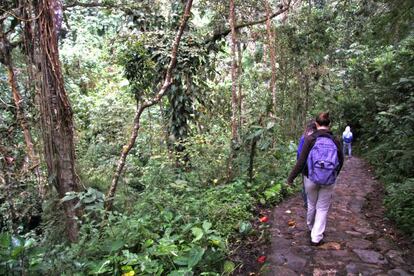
327, 135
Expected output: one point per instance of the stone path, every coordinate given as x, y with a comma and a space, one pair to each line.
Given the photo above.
355, 243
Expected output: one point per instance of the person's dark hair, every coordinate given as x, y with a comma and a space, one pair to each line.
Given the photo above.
309, 128
323, 119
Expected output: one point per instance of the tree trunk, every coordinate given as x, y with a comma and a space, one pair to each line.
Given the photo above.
272, 55
307, 97
7, 60
234, 79
251, 157
141, 107
56, 114
240, 92
21, 118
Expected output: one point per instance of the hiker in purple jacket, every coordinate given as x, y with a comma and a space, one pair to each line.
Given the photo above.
318, 195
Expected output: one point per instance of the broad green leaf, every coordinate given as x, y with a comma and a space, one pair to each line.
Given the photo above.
198, 233
112, 246
206, 226
100, 267
181, 260
181, 272
245, 227
148, 243
17, 251
195, 255
216, 241
69, 196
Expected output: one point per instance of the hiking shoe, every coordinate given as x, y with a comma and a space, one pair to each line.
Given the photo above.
316, 243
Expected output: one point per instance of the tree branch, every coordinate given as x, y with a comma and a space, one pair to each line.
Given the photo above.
140, 108
220, 34
89, 5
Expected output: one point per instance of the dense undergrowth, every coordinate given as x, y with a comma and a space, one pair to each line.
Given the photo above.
385, 120
175, 226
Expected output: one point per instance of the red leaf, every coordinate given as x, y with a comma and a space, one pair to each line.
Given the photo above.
261, 259
264, 219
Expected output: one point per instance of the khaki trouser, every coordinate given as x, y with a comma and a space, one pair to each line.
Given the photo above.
319, 200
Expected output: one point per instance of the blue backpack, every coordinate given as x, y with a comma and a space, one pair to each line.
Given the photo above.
348, 139
323, 161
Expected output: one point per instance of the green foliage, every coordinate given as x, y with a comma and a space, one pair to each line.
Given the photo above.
148, 54
379, 100
173, 226
140, 68
180, 222
400, 203
20, 254
273, 194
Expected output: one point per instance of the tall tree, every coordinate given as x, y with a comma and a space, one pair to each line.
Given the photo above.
272, 55
55, 109
240, 92
234, 85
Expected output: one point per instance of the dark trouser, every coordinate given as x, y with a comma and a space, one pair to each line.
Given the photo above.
305, 198
349, 146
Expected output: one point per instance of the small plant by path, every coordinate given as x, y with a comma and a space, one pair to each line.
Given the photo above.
359, 240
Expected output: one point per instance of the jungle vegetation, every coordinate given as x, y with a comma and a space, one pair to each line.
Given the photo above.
142, 137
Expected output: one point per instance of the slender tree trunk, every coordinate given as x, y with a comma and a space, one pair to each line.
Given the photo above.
7, 60
151, 139
251, 157
56, 113
21, 118
307, 97
19, 112
272, 55
234, 74
234, 104
285, 85
141, 107
121, 163
240, 91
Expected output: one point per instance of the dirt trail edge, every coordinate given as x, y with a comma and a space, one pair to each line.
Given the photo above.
358, 239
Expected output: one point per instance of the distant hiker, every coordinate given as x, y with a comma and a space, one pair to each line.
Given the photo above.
320, 161
347, 138
309, 129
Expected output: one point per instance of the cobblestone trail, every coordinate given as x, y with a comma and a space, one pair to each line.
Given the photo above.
356, 243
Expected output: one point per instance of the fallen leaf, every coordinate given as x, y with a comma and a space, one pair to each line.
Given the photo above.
331, 246
261, 259
292, 223
264, 219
